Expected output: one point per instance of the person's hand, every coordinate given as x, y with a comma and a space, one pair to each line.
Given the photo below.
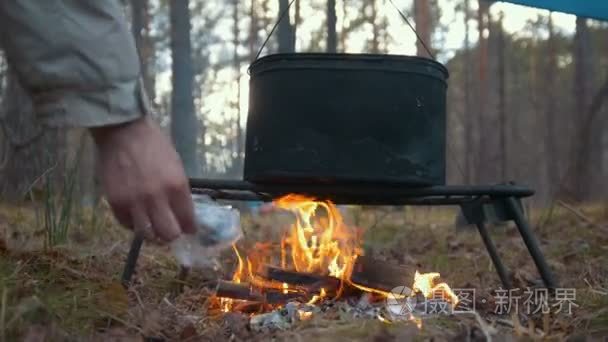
144, 180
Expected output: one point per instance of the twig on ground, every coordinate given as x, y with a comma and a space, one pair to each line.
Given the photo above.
600, 292
487, 329
578, 214
166, 300
73, 271
591, 316
175, 308
504, 322
543, 221
116, 247
120, 320
19, 267
139, 301
47, 171
515, 324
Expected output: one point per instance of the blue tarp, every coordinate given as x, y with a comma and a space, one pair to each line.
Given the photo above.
593, 9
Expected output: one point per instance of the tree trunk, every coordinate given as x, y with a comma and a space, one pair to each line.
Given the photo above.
343, 32
184, 125
296, 23
238, 149
590, 164
422, 16
468, 110
483, 28
502, 110
253, 31
141, 31
375, 48
577, 183
551, 154
27, 149
332, 35
582, 92
285, 30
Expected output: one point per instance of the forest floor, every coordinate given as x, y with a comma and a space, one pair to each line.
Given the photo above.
72, 291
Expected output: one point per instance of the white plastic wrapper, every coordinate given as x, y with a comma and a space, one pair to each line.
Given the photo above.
218, 227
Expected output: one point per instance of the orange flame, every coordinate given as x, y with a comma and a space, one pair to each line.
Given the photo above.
318, 297
425, 283
227, 303
304, 315
324, 245
319, 242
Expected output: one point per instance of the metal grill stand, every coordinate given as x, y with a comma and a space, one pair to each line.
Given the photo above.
479, 204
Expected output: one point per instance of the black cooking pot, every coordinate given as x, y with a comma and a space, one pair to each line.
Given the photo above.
344, 118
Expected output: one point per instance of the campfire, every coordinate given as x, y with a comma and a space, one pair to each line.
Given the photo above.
319, 261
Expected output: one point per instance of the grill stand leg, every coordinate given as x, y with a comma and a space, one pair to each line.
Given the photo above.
500, 267
132, 257
531, 243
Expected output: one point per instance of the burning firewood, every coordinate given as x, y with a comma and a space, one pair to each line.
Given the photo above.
245, 292
293, 277
276, 297
241, 291
310, 281
321, 269
380, 275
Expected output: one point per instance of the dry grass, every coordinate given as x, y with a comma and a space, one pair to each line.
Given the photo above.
72, 291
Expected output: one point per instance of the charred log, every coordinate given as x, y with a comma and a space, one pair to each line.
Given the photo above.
277, 297
379, 274
245, 292
242, 291
298, 278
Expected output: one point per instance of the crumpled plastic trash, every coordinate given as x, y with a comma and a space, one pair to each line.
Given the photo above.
217, 228
279, 319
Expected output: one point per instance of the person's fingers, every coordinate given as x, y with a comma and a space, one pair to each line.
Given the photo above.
142, 225
164, 223
183, 209
122, 214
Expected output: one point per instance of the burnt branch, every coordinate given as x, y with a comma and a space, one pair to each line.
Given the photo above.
242, 291
296, 278
379, 274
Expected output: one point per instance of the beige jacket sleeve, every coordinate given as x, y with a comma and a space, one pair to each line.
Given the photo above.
76, 58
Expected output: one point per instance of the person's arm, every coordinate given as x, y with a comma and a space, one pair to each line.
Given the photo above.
77, 59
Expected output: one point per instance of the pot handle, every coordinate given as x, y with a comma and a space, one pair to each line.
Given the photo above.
286, 10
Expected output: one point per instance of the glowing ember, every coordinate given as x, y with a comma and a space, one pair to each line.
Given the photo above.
416, 321
304, 315
316, 298
383, 320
